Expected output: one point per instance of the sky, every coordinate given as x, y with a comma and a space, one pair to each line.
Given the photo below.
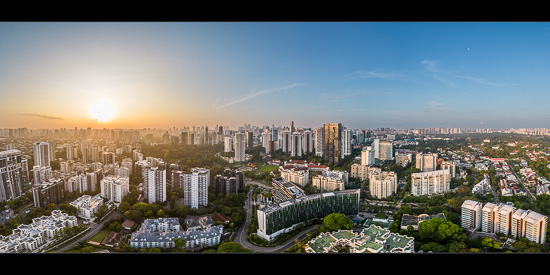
361, 74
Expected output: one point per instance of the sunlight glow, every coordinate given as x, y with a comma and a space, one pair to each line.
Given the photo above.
103, 110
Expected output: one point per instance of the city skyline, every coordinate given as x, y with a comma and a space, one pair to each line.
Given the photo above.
360, 74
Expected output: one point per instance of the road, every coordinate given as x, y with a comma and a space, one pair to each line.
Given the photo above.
94, 229
242, 232
240, 237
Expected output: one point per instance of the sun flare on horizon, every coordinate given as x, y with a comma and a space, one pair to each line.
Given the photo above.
103, 110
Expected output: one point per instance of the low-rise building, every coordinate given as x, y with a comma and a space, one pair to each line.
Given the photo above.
87, 206
160, 233
30, 237
373, 239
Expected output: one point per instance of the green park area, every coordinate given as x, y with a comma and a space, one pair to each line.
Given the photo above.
268, 168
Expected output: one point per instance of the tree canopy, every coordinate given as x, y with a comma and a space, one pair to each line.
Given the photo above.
336, 221
437, 229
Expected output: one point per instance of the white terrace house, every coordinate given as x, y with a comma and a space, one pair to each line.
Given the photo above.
29, 237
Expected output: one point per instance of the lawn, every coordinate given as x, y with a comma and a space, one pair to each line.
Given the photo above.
269, 168
100, 236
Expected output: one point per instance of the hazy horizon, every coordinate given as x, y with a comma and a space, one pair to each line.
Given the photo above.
361, 74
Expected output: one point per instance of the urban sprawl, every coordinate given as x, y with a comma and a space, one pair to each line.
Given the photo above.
269, 189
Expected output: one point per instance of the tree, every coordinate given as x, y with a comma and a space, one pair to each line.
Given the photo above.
124, 206
490, 244
179, 245
336, 221
231, 247
437, 229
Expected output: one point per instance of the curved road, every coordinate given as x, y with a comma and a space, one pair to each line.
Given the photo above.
240, 237
94, 229
241, 234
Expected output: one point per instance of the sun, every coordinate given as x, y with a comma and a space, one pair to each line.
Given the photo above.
103, 110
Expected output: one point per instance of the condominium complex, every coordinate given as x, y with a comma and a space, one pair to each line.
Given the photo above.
154, 184
108, 158
41, 173
283, 190
505, 219
307, 142
326, 183
346, 142
30, 237
48, 191
426, 162
386, 150
14, 171
332, 143
296, 144
115, 188
471, 215
373, 239
87, 206
360, 171
318, 134
382, 183
239, 141
281, 217
298, 175
429, 183
42, 153
195, 187
161, 233
367, 156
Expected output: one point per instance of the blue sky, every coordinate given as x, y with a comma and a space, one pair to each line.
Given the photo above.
362, 74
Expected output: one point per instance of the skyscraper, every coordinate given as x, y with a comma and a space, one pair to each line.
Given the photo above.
284, 141
386, 150
240, 146
14, 171
346, 142
332, 142
114, 188
108, 158
42, 153
307, 142
249, 140
41, 173
195, 187
49, 191
296, 144
266, 138
429, 183
367, 156
376, 146
426, 162
471, 215
318, 132
154, 184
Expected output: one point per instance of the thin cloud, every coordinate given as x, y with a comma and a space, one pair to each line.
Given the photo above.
376, 74
446, 76
436, 105
42, 116
259, 93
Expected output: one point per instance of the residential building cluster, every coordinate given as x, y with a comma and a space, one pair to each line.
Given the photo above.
14, 172
373, 239
87, 206
505, 219
30, 237
281, 217
160, 233
231, 182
